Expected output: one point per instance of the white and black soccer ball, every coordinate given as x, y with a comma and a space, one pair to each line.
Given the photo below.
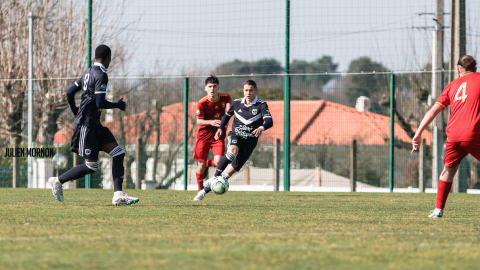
219, 185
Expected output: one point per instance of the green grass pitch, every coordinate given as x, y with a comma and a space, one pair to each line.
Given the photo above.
239, 230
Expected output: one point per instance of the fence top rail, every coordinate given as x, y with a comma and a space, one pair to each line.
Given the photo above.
247, 75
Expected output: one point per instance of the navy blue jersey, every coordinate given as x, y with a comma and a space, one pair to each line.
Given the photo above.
248, 117
93, 81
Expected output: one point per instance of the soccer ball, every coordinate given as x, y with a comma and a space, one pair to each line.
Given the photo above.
219, 185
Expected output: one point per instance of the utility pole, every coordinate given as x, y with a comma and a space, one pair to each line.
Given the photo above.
458, 48
30, 97
437, 75
286, 103
457, 34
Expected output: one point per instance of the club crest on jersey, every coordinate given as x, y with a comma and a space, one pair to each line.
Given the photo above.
198, 112
88, 152
103, 87
223, 104
254, 111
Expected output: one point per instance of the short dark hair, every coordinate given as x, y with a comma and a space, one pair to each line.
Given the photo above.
467, 62
212, 79
102, 52
250, 82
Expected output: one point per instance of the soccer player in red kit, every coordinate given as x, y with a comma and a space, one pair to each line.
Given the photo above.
210, 111
463, 130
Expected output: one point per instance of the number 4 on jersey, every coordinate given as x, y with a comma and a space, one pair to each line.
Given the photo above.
460, 95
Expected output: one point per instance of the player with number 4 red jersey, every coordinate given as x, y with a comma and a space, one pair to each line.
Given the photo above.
210, 111
463, 130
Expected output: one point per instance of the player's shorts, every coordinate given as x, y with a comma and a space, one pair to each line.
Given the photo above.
87, 141
245, 149
456, 151
202, 147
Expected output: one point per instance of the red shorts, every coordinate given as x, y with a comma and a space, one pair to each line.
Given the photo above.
456, 151
202, 147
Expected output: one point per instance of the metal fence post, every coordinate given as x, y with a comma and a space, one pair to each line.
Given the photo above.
125, 178
30, 98
74, 165
421, 165
89, 35
246, 175
286, 134
276, 163
185, 133
286, 103
392, 132
460, 184
15, 175
137, 161
353, 165
89, 64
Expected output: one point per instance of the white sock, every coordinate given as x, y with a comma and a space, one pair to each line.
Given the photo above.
225, 175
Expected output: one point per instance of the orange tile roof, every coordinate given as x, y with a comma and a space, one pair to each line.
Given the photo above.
311, 123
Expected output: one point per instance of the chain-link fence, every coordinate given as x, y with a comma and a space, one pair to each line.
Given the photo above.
339, 133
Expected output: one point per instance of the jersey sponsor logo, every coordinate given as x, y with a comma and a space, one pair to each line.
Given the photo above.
254, 111
244, 131
198, 112
103, 87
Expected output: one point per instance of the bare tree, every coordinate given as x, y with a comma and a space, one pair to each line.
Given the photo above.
60, 48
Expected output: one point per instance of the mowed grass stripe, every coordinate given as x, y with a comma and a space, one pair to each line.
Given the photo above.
238, 230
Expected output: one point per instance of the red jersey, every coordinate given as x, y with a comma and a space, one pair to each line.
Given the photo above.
212, 110
463, 96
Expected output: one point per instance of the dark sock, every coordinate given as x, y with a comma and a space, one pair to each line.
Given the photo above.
117, 184
75, 173
207, 189
224, 161
118, 172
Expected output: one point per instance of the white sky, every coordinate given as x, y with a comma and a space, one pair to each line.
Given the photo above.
193, 36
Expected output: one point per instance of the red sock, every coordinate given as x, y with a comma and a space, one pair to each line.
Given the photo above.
442, 193
210, 163
199, 180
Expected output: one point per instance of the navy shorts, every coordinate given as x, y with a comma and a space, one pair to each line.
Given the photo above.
245, 149
87, 141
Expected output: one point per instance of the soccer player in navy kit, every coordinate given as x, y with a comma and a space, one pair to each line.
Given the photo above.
252, 117
89, 136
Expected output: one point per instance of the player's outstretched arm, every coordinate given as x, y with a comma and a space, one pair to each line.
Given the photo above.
105, 104
71, 97
427, 119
